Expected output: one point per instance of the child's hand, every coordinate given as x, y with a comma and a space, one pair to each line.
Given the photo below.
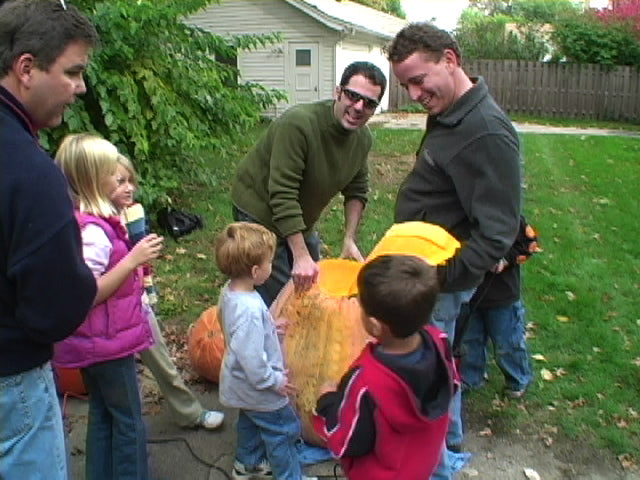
281, 326
288, 388
327, 387
146, 249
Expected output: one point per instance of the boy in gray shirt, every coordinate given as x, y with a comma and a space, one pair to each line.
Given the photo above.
253, 377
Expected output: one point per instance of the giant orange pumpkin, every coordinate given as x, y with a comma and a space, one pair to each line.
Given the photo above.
206, 345
323, 335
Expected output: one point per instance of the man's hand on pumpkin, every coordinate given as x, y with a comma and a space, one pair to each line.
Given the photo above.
304, 273
351, 250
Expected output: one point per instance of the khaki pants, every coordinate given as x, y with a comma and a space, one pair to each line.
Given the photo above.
183, 404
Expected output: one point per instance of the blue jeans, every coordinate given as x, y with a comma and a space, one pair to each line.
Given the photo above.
31, 432
116, 440
271, 436
506, 328
444, 315
282, 260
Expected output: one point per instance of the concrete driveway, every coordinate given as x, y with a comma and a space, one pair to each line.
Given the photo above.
418, 121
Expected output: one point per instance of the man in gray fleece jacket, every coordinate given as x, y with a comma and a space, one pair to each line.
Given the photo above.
467, 173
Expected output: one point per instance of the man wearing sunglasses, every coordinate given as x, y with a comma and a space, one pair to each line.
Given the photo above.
306, 157
46, 289
466, 177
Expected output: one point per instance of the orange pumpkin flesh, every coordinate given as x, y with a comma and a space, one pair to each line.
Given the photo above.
323, 335
206, 345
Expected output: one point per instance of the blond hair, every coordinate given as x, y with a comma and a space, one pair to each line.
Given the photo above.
87, 160
241, 246
126, 163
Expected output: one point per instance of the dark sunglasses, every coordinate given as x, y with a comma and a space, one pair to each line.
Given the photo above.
355, 97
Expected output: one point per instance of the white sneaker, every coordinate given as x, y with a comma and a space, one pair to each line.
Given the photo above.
259, 472
211, 419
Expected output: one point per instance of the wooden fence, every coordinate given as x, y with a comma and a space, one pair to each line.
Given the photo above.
553, 90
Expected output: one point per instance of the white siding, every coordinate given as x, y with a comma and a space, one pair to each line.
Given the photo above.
352, 49
271, 66
268, 66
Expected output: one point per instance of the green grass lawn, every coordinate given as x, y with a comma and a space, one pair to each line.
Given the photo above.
581, 293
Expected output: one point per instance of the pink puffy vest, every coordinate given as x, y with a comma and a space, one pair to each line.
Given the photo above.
116, 327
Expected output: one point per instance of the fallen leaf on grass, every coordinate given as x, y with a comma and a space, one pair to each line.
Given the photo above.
470, 472
562, 318
531, 474
560, 372
597, 349
633, 413
498, 404
201, 256
539, 357
581, 402
621, 423
601, 201
485, 433
627, 462
570, 295
547, 375
181, 251
547, 440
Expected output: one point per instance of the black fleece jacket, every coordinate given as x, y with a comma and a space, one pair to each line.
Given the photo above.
46, 289
467, 180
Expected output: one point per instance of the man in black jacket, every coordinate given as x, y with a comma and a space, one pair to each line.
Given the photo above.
46, 289
467, 172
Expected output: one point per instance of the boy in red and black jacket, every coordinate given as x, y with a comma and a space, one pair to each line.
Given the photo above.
387, 419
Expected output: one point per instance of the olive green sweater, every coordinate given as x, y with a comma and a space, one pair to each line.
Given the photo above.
299, 164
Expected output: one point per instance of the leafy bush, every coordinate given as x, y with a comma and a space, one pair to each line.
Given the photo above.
586, 39
543, 11
530, 11
155, 90
486, 37
623, 13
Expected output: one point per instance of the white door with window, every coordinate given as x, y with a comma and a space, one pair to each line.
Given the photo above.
303, 73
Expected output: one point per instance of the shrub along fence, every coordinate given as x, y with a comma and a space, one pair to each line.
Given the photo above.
553, 90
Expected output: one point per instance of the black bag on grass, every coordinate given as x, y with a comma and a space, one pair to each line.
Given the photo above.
178, 223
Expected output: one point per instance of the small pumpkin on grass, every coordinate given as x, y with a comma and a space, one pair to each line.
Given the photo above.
206, 345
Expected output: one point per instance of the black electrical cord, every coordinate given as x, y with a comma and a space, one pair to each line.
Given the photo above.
216, 467
194, 454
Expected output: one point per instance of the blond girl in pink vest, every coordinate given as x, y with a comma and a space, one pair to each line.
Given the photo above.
116, 328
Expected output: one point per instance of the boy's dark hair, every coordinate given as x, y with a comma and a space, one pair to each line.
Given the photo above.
398, 290
241, 246
421, 37
369, 71
43, 28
